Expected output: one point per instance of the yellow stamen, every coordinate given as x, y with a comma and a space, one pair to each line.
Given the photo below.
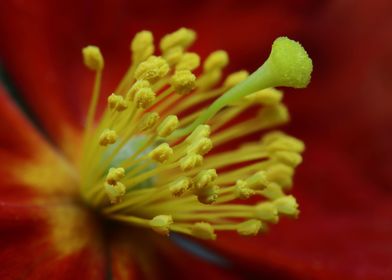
141, 167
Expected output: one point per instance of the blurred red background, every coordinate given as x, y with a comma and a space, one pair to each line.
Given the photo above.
344, 116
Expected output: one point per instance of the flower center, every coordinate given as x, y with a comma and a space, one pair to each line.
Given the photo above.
150, 161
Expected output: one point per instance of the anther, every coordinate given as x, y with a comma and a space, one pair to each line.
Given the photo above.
117, 102
173, 55
200, 146
190, 161
292, 159
115, 175
93, 58
203, 230
272, 191
144, 98
235, 78
269, 96
142, 46
183, 81
216, 61
242, 191
208, 194
161, 224
153, 68
183, 38
168, 125
281, 174
202, 130
179, 186
138, 85
249, 228
148, 121
115, 192
204, 178
189, 61
287, 205
162, 153
107, 137
266, 211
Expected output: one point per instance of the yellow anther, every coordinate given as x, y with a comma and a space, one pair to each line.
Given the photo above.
202, 130
249, 228
153, 68
216, 60
144, 98
183, 81
200, 146
269, 96
209, 80
203, 230
189, 61
242, 191
190, 161
208, 194
162, 153
257, 181
148, 121
204, 178
161, 224
179, 186
273, 191
266, 211
107, 137
292, 159
117, 102
115, 175
167, 126
115, 192
138, 85
173, 55
235, 78
287, 205
278, 141
274, 115
183, 38
142, 46
281, 174
93, 58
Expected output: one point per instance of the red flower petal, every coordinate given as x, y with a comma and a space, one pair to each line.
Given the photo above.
43, 235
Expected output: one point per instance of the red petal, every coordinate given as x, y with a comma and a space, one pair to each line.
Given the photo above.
43, 235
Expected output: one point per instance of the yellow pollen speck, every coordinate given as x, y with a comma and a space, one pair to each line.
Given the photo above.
242, 190
93, 58
162, 153
183, 81
107, 137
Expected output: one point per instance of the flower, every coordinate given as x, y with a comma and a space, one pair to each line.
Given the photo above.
137, 167
349, 183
